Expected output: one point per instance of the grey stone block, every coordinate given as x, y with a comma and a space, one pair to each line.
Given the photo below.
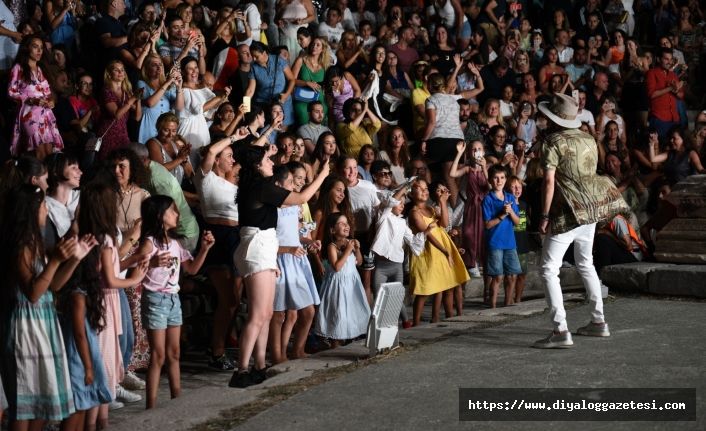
630, 276
686, 280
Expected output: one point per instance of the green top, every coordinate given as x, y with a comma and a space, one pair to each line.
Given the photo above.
162, 182
581, 196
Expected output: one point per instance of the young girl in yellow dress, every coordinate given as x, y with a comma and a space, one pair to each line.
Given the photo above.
439, 268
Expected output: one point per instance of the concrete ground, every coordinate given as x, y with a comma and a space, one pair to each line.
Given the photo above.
654, 343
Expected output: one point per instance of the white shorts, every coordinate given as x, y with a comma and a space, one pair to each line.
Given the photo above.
257, 251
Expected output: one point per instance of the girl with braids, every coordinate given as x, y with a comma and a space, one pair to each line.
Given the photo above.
256, 256
81, 309
34, 368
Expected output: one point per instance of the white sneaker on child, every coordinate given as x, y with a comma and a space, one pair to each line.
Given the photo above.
474, 272
122, 394
115, 405
132, 382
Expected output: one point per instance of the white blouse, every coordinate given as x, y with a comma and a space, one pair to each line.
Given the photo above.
217, 195
393, 233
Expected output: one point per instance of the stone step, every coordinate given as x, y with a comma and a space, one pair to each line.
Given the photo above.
658, 278
567, 277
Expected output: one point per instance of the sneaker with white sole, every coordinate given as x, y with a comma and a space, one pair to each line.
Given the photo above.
554, 341
122, 394
115, 405
131, 382
594, 330
565, 264
474, 272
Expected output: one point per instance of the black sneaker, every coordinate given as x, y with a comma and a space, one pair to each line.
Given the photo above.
221, 363
258, 376
240, 380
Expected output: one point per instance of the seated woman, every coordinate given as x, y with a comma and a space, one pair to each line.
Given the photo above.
398, 82
609, 111
630, 186
164, 150
351, 55
225, 121
550, 67
611, 143
650, 172
681, 160
356, 131
84, 104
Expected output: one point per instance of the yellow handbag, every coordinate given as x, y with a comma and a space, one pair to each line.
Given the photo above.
263, 37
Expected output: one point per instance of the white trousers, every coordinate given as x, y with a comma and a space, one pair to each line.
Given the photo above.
552, 253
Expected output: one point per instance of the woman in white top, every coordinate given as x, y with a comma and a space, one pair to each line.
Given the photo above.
252, 9
199, 102
609, 112
291, 16
217, 197
395, 151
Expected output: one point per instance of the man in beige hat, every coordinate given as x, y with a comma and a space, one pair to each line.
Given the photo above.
574, 199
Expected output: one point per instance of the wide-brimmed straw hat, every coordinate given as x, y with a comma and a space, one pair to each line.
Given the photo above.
562, 110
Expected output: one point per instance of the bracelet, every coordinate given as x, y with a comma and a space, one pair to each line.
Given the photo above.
232, 139
544, 217
133, 241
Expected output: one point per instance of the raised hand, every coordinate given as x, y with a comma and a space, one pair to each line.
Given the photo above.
207, 240
84, 245
460, 147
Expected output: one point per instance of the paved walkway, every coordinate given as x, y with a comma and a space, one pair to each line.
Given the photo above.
654, 344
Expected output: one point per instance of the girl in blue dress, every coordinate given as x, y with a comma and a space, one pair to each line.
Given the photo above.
295, 294
344, 311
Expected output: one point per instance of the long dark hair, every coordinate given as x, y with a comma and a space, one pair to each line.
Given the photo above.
484, 48
19, 172
152, 210
22, 57
318, 153
325, 204
138, 173
86, 277
249, 158
100, 218
347, 107
19, 231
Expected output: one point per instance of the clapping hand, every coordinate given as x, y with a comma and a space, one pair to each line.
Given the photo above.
64, 249
84, 245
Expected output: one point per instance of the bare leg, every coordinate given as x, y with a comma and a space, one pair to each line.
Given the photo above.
419, 301
91, 417
73, 422
228, 299
290, 320
102, 421
458, 297
157, 339
436, 306
509, 289
304, 318
494, 285
520, 287
448, 298
172, 359
26, 425
275, 337
365, 276
261, 292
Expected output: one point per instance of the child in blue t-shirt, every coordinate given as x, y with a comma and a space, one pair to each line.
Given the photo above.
500, 214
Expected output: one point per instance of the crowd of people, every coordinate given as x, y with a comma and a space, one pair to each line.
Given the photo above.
300, 154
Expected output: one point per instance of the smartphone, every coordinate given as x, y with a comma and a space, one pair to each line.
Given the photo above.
611, 105
591, 41
526, 107
478, 155
192, 34
514, 7
536, 43
575, 95
95, 108
412, 178
246, 102
508, 148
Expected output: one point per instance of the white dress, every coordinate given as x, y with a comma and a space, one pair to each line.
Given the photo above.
192, 120
8, 47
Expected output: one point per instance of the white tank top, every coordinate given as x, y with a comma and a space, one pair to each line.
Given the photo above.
217, 195
448, 14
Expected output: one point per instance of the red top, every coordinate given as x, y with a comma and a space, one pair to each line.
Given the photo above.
663, 107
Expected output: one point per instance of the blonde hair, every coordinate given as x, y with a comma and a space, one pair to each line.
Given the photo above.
168, 117
436, 82
325, 56
484, 116
126, 86
219, 20
180, 13
143, 72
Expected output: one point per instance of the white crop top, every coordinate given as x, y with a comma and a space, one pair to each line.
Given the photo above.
217, 195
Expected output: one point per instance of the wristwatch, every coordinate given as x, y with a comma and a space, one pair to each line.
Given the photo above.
544, 217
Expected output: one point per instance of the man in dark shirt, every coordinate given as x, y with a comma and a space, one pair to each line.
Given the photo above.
239, 80
110, 32
591, 29
593, 95
496, 77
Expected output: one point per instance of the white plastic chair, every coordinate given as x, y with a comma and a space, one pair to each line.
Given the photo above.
383, 330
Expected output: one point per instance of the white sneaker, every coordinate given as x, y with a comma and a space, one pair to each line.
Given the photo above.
132, 382
122, 394
115, 405
474, 272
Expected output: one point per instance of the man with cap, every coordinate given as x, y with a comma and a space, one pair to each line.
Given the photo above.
574, 199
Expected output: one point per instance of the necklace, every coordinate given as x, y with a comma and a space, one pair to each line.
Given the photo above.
122, 204
129, 192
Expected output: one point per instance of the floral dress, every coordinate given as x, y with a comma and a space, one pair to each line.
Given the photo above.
34, 125
688, 37
117, 133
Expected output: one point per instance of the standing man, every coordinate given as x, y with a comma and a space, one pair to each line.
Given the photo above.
600, 86
239, 81
404, 49
663, 89
574, 199
110, 33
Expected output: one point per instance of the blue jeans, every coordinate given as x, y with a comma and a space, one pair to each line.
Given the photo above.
127, 339
662, 127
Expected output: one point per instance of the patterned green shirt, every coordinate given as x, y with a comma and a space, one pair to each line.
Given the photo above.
581, 196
